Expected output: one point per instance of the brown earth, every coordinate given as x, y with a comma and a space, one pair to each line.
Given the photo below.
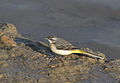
26, 61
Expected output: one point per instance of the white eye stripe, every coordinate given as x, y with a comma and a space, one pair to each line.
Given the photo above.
54, 38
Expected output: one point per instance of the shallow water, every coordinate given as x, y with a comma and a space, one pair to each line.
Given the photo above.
93, 24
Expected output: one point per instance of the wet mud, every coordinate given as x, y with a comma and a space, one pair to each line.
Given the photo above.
26, 61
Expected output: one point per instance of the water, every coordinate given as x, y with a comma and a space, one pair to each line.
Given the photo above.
95, 24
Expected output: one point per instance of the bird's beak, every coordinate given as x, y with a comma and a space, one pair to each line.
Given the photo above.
48, 39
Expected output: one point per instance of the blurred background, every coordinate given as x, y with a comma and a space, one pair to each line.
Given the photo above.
85, 23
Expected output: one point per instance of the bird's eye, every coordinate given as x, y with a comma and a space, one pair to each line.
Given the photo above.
53, 41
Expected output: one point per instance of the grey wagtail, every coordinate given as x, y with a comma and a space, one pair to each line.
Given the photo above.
62, 47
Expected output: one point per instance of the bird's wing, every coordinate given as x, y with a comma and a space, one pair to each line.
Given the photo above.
63, 44
64, 47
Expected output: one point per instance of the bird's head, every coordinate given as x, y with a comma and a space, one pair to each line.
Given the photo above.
51, 39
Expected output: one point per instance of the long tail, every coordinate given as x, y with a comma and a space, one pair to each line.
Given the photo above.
88, 54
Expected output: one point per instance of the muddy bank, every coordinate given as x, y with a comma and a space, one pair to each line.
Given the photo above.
25, 61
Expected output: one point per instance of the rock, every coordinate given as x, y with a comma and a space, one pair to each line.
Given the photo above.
9, 30
8, 41
3, 54
1, 76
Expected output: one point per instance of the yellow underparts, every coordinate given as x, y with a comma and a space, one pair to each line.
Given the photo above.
83, 52
68, 52
78, 51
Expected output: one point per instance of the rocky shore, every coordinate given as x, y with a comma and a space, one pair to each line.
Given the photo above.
25, 61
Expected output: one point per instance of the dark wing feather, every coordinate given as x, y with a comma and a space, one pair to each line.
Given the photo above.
63, 44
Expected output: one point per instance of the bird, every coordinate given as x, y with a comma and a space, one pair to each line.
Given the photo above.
63, 47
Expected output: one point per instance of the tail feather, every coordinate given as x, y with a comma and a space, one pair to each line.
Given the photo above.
92, 55
88, 54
